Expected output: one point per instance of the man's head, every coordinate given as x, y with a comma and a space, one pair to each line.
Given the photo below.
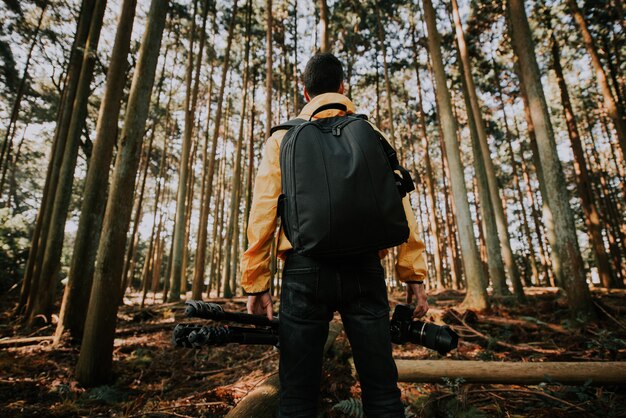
323, 74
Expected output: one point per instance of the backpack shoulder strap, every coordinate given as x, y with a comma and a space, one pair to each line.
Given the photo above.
287, 125
404, 181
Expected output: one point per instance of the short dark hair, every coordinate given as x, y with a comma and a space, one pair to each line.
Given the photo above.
323, 74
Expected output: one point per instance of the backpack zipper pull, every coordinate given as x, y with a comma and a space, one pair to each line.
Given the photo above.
337, 130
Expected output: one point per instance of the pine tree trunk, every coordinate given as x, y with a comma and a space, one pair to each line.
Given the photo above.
520, 194
232, 240
296, 87
189, 206
95, 359
268, 68
429, 180
217, 228
324, 43
489, 227
128, 273
612, 107
476, 296
42, 302
30, 285
583, 181
200, 262
249, 182
567, 261
503, 251
200, 258
183, 168
381, 41
78, 288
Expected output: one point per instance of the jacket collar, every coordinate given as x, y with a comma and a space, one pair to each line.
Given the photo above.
324, 99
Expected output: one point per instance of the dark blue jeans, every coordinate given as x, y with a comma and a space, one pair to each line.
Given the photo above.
312, 290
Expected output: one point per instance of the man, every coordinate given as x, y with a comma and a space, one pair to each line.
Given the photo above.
313, 288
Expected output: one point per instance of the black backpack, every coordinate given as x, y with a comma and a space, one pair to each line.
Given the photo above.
340, 192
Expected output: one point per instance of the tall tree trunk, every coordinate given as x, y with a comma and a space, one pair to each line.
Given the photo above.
249, 182
200, 261
42, 302
429, 180
487, 205
520, 194
78, 288
381, 41
15, 109
235, 198
30, 282
324, 42
533, 197
199, 268
268, 68
189, 206
493, 192
183, 168
216, 240
476, 296
296, 87
583, 180
95, 359
612, 107
567, 261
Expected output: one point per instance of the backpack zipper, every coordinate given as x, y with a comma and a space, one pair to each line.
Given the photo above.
336, 131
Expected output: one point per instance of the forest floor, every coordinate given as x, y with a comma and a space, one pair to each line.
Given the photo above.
154, 379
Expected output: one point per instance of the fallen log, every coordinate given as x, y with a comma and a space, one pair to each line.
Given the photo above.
569, 373
18, 342
262, 402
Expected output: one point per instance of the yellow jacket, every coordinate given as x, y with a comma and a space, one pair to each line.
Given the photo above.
255, 267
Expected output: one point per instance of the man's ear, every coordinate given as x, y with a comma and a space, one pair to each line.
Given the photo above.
306, 96
341, 88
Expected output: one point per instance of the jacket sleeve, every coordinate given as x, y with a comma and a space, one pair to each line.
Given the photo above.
411, 260
255, 263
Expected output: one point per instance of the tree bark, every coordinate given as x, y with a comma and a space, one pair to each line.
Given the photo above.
183, 168
324, 42
268, 68
30, 283
493, 193
583, 180
249, 182
476, 296
518, 373
381, 41
567, 260
199, 269
612, 107
486, 207
78, 288
429, 179
42, 302
232, 240
95, 359
200, 258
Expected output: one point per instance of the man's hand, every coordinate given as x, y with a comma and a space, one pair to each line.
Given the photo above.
261, 304
421, 306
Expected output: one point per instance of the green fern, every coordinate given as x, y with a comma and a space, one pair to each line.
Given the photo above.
351, 407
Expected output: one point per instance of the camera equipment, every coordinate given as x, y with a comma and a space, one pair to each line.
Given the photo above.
403, 329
